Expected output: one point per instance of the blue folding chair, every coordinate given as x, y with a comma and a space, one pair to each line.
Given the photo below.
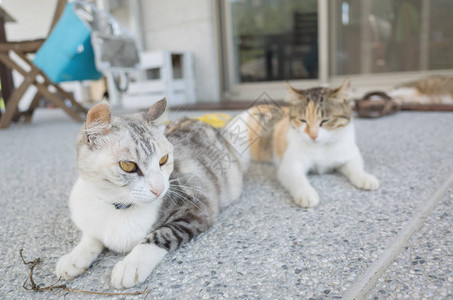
68, 55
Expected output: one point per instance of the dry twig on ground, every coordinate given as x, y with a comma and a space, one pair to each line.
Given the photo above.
54, 287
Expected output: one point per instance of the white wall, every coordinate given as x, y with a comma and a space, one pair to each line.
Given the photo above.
33, 18
182, 25
176, 25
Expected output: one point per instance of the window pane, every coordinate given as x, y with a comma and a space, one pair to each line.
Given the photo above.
275, 39
373, 36
440, 46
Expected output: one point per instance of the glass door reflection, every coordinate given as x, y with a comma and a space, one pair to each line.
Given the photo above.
274, 39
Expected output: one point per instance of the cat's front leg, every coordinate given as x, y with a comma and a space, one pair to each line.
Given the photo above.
354, 171
137, 265
142, 260
293, 177
80, 258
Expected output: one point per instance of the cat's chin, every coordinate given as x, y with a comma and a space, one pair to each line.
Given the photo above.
147, 201
319, 141
135, 202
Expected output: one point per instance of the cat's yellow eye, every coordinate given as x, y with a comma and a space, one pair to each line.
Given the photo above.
128, 166
163, 160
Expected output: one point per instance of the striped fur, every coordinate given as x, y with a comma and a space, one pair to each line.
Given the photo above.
206, 178
157, 206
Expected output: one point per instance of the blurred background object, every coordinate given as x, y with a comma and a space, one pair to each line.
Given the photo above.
83, 42
242, 48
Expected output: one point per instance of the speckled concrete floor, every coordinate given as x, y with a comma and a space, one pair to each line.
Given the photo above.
262, 246
424, 267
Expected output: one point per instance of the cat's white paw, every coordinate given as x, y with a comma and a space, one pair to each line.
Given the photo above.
128, 273
70, 266
365, 182
306, 197
136, 266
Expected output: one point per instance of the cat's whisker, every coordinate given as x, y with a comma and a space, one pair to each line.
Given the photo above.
141, 195
198, 207
188, 190
199, 189
172, 199
183, 196
181, 193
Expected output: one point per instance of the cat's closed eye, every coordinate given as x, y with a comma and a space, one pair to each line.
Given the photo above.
128, 166
163, 160
302, 120
323, 122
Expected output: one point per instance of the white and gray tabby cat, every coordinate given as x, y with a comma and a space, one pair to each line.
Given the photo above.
143, 191
314, 133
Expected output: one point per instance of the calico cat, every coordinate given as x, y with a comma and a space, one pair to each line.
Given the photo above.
144, 191
314, 133
434, 89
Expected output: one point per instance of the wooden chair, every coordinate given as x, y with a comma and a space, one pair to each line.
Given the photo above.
34, 76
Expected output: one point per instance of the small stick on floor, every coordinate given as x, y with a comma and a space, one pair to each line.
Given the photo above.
54, 287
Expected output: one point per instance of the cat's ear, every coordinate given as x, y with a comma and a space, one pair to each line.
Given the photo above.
98, 122
99, 118
342, 92
293, 95
157, 113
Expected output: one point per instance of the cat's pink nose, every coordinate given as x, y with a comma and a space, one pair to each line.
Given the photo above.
311, 132
156, 192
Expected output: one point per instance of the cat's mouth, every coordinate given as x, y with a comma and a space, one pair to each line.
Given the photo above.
137, 199
146, 199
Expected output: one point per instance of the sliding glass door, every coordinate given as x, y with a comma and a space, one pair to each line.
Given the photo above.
381, 36
320, 42
274, 39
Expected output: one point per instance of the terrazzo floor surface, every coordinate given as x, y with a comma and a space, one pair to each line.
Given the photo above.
263, 246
